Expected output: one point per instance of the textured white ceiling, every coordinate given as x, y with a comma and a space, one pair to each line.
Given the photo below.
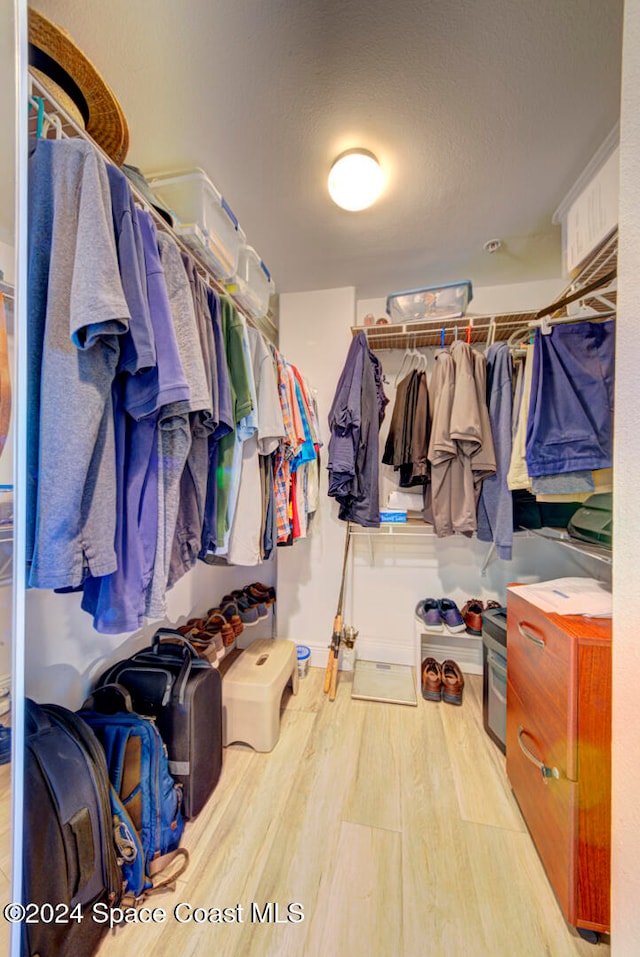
482, 112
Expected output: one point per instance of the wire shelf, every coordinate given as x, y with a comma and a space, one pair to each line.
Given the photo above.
597, 304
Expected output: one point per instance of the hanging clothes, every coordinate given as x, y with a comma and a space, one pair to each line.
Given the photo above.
5, 379
224, 426
461, 448
117, 601
175, 437
409, 431
245, 541
518, 475
495, 507
77, 312
286, 450
187, 538
355, 417
242, 404
570, 424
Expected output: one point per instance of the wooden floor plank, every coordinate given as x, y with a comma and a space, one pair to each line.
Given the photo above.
357, 911
507, 869
374, 798
440, 910
477, 764
310, 693
308, 834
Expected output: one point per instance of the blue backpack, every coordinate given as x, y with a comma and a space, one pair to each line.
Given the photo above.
146, 802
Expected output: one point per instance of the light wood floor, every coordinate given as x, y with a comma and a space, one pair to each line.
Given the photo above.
393, 826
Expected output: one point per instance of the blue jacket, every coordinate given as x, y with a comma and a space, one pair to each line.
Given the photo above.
354, 420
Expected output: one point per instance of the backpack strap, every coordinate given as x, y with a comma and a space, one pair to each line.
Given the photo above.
162, 872
109, 698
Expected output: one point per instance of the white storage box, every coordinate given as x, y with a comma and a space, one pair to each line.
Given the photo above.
203, 219
448, 301
253, 284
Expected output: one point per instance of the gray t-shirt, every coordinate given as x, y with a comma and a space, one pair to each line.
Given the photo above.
174, 443
84, 314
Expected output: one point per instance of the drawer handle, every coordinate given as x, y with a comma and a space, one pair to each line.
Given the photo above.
529, 636
546, 771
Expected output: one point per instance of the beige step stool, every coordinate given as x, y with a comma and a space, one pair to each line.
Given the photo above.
252, 689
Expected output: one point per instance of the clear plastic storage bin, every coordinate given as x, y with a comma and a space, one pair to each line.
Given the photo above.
449, 301
253, 284
204, 220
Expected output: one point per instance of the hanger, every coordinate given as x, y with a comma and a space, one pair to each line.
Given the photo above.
54, 121
38, 103
469, 331
408, 354
515, 339
491, 332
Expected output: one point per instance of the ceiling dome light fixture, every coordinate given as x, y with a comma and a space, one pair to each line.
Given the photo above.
356, 180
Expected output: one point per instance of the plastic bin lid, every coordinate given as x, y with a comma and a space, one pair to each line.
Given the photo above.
303, 652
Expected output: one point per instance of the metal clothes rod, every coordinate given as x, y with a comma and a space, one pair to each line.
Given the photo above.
579, 294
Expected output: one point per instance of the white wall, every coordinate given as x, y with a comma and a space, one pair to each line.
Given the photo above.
387, 576
625, 918
64, 655
315, 335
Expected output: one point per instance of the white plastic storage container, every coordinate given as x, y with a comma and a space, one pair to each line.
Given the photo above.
203, 219
433, 302
253, 283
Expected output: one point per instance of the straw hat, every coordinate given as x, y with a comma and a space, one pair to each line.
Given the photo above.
75, 83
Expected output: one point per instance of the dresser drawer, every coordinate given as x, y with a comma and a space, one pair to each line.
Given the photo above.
541, 667
548, 804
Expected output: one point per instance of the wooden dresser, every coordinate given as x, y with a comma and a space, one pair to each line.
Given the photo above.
559, 750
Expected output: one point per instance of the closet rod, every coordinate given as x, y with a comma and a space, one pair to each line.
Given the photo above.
579, 294
54, 111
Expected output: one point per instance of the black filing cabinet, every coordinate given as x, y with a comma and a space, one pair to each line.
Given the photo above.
494, 675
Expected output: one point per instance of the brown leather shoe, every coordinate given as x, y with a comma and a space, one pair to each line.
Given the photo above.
452, 682
472, 614
229, 612
218, 624
431, 680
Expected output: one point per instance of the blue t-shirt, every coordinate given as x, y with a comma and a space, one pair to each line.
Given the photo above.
137, 349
